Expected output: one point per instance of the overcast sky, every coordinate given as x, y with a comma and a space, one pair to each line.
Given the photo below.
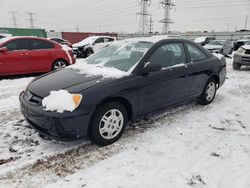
120, 15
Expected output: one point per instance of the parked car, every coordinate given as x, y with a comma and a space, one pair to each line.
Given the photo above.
121, 82
224, 47
242, 56
204, 40
3, 35
61, 41
241, 41
23, 55
90, 45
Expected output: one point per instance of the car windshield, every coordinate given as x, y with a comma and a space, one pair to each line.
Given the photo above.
121, 55
217, 42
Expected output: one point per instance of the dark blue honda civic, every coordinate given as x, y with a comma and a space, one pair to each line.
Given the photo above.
126, 80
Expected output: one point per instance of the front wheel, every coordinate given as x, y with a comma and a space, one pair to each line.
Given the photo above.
209, 92
108, 123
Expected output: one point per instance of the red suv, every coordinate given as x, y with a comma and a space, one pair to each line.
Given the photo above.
23, 55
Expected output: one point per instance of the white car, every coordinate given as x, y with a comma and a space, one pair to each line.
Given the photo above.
2, 35
91, 45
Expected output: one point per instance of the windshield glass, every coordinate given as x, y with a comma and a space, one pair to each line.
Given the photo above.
217, 42
88, 40
120, 55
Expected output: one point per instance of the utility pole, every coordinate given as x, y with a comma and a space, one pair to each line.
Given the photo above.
77, 29
143, 25
246, 22
167, 5
13, 17
31, 18
151, 25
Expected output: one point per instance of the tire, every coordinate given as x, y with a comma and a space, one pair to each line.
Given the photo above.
236, 66
108, 123
209, 92
59, 64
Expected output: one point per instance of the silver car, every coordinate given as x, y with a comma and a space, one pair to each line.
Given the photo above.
224, 47
242, 56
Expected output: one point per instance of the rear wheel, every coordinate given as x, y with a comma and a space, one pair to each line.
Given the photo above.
236, 66
209, 92
59, 64
108, 123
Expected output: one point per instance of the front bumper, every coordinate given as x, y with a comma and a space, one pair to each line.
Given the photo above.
66, 127
243, 59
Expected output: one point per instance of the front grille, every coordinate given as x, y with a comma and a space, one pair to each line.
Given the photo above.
245, 58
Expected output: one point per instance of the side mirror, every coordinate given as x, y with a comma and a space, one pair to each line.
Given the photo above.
3, 49
150, 67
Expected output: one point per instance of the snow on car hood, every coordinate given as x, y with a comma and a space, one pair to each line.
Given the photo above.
209, 46
246, 47
59, 101
82, 43
200, 39
90, 70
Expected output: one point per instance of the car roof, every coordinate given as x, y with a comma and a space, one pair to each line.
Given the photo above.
154, 39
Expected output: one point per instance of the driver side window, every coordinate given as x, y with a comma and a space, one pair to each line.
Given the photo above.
100, 40
169, 55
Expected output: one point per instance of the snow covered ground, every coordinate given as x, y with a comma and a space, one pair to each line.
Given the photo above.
191, 146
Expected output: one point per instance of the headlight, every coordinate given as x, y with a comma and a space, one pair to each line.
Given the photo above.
61, 101
77, 98
241, 50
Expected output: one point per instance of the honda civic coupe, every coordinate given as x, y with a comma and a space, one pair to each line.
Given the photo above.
127, 80
24, 55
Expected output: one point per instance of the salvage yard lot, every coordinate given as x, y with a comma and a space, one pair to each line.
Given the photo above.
190, 146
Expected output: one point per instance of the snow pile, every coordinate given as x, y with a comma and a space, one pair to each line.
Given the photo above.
59, 101
98, 70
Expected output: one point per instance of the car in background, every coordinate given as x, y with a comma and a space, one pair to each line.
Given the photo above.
241, 41
61, 41
224, 47
123, 81
204, 40
90, 45
23, 55
242, 56
3, 35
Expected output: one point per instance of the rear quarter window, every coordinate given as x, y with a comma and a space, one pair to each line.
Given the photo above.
195, 53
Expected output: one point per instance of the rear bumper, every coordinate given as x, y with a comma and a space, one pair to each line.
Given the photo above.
59, 127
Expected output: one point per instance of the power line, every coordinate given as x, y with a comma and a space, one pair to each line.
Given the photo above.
167, 5
143, 24
31, 19
13, 17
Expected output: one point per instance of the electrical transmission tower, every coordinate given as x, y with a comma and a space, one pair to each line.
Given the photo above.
13, 17
143, 25
31, 18
167, 5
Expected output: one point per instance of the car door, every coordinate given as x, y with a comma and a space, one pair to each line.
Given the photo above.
14, 60
98, 44
168, 86
40, 55
200, 66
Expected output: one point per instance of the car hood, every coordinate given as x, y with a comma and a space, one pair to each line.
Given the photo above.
208, 46
66, 79
246, 47
80, 44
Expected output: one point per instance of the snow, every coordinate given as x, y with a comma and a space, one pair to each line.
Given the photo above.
200, 39
59, 101
189, 146
67, 49
219, 56
97, 70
